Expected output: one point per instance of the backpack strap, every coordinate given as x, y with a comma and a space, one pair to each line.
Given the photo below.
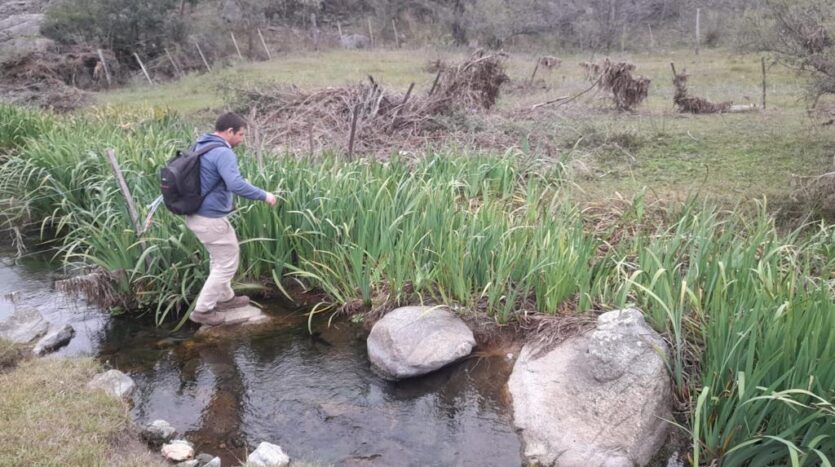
204, 150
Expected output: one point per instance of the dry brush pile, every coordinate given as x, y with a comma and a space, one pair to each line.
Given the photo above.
383, 120
616, 78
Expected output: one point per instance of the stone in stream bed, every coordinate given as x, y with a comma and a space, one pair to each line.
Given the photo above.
415, 340
24, 326
178, 450
243, 316
158, 432
596, 400
54, 339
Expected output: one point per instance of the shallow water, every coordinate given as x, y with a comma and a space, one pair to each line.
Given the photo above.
314, 395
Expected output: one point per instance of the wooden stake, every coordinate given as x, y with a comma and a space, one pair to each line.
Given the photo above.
208, 68
623, 37
264, 43
143, 68
104, 65
698, 32
370, 32
123, 187
400, 107
396, 36
535, 68
237, 49
435, 83
763, 63
339, 28
651, 37
315, 31
353, 132
173, 63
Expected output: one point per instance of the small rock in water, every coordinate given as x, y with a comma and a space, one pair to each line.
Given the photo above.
204, 458
53, 340
178, 450
215, 462
191, 463
24, 326
113, 382
269, 455
674, 461
158, 432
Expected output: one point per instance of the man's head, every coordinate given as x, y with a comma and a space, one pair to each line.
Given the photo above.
230, 126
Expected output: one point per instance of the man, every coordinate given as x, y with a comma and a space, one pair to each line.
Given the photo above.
219, 180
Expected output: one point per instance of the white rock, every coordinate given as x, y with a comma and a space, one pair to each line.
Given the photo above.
268, 455
113, 382
596, 400
213, 463
178, 450
415, 340
54, 339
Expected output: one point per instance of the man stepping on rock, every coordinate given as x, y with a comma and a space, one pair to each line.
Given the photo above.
219, 179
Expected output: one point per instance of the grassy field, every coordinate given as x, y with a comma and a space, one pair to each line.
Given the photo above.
731, 156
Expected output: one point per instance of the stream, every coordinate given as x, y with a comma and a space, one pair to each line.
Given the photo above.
313, 394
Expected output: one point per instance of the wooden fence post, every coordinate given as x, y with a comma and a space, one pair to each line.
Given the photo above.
396, 36
123, 187
353, 132
315, 31
264, 43
173, 63
203, 57
143, 68
370, 32
763, 64
106, 70
698, 27
237, 49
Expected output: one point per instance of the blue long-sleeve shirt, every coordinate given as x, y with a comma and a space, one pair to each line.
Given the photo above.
220, 178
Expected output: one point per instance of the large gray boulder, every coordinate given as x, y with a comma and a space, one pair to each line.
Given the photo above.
56, 338
24, 326
416, 340
596, 400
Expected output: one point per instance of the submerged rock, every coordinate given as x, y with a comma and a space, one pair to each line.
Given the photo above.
269, 455
54, 339
158, 432
24, 326
243, 316
599, 399
178, 450
114, 383
416, 340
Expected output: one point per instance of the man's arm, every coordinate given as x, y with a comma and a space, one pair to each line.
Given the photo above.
227, 165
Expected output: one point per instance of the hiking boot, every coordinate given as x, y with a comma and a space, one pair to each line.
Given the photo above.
209, 318
234, 302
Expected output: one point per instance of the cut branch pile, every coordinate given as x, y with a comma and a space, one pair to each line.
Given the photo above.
385, 120
816, 193
694, 105
627, 91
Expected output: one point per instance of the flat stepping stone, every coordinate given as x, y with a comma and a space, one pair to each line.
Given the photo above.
243, 316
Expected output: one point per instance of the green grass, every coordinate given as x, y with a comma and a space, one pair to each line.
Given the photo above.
728, 157
48, 417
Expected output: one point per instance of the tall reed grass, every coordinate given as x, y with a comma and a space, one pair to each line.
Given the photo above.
748, 311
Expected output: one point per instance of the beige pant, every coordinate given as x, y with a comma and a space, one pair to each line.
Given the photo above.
219, 238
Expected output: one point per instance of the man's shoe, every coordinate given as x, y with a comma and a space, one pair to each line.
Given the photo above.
235, 302
210, 318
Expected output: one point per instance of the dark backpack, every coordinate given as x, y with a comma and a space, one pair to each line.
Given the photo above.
180, 180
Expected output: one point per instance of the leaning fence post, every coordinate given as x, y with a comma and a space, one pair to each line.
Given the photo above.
143, 68
763, 63
353, 132
203, 57
264, 43
370, 32
123, 187
237, 49
396, 36
173, 63
104, 65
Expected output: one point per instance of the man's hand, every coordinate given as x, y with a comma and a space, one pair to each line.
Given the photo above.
270, 199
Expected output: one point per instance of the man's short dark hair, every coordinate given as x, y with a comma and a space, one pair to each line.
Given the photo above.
230, 120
